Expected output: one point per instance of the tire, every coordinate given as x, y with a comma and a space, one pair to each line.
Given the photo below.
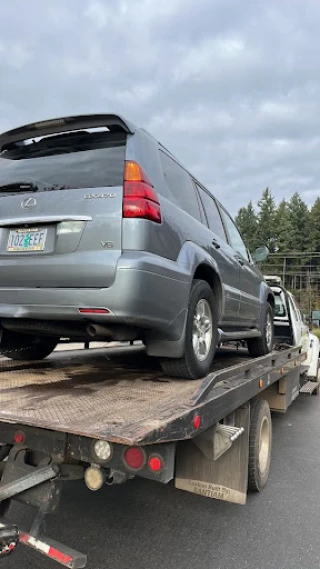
262, 346
260, 443
191, 365
26, 347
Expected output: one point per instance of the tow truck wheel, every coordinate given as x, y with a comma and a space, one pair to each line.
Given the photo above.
26, 347
260, 442
200, 337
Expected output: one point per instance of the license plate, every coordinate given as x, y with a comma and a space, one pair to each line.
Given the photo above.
27, 240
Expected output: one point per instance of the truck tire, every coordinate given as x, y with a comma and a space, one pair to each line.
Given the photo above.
26, 347
201, 336
260, 442
262, 346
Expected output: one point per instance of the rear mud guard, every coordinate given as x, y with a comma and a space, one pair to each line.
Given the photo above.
211, 468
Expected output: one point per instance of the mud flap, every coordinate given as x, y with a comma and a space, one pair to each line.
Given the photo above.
224, 478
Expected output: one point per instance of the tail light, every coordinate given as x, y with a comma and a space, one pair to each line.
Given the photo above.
134, 458
155, 463
140, 199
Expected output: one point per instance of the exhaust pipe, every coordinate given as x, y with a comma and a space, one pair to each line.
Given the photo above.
98, 331
118, 333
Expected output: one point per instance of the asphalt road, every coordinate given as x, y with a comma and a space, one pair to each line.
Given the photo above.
145, 525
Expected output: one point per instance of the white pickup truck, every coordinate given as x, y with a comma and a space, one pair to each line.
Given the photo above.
291, 329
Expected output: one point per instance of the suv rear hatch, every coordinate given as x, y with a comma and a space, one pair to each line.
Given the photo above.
61, 199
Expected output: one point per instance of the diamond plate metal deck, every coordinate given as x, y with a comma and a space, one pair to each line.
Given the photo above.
98, 393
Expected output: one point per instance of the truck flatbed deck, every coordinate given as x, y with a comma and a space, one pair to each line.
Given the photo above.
121, 396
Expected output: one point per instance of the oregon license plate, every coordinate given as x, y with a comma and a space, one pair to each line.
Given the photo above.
27, 240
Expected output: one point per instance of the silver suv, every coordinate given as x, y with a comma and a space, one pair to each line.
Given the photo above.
105, 235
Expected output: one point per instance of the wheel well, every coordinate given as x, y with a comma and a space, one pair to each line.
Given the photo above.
206, 273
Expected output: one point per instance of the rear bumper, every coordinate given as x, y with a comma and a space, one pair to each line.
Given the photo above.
140, 296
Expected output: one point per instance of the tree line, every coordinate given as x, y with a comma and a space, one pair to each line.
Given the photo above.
291, 231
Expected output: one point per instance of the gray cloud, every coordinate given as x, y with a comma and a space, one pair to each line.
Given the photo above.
232, 87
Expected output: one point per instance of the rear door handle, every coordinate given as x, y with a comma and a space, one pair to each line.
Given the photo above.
215, 244
240, 261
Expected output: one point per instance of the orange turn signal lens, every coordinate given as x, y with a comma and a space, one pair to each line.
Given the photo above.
132, 172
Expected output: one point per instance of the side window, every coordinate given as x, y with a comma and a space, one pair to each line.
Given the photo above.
234, 236
212, 213
180, 185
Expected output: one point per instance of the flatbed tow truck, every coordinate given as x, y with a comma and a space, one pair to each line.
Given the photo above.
108, 415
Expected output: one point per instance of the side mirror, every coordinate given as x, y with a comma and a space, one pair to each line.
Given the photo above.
260, 254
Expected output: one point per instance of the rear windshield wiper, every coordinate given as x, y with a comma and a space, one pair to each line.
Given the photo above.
19, 186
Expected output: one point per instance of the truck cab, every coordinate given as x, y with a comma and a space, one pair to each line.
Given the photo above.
290, 327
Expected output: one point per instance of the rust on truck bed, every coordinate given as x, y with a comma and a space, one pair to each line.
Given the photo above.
119, 395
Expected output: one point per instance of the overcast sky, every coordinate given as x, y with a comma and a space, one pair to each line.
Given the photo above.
231, 87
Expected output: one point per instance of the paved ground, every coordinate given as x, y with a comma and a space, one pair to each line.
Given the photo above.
144, 525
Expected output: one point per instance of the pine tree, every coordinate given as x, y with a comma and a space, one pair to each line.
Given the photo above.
277, 264
315, 246
283, 227
299, 240
299, 219
247, 222
267, 221
315, 226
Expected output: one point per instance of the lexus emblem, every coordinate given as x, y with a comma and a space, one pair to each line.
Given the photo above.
28, 203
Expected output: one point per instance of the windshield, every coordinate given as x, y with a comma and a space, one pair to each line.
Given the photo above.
83, 160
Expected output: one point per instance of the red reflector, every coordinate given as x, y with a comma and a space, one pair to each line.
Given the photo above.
93, 310
47, 549
59, 556
196, 421
155, 464
19, 438
134, 457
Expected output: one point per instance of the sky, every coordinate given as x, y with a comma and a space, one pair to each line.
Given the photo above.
231, 87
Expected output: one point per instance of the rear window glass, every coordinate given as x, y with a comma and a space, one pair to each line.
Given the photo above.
180, 185
280, 310
75, 160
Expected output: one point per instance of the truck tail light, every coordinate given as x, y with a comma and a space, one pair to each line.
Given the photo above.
134, 458
155, 463
140, 200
